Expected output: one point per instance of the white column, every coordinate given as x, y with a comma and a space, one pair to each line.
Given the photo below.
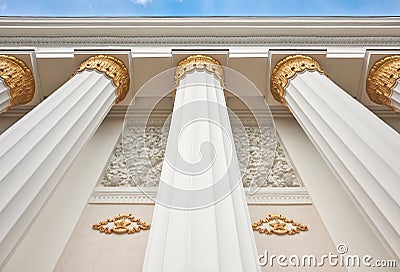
383, 82
201, 221
361, 149
4, 96
395, 96
37, 150
17, 86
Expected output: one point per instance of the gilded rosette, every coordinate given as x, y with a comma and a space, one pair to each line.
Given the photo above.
114, 69
286, 69
199, 62
381, 80
19, 79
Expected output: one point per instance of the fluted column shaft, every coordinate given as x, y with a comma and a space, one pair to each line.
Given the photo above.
195, 227
4, 96
360, 148
37, 150
395, 96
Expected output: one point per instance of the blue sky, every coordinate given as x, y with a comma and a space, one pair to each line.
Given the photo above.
199, 8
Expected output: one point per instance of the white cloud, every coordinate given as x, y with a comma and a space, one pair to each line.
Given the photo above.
3, 6
141, 2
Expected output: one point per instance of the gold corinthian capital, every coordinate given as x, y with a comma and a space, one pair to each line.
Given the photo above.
382, 78
286, 69
113, 68
19, 79
199, 62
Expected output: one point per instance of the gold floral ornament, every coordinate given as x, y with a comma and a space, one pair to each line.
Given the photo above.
113, 68
199, 62
286, 69
19, 79
382, 78
278, 224
120, 224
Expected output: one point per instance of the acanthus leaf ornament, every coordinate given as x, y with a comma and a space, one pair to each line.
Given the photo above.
114, 68
120, 224
278, 224
199, 62
19, 79
381, 80
286, 69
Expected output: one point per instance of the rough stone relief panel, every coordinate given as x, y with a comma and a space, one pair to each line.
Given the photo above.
116, 174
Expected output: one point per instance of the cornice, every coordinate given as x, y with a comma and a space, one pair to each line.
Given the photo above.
204, 31
197, 26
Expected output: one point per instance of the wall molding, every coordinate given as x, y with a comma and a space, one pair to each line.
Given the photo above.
133, 195
118, 111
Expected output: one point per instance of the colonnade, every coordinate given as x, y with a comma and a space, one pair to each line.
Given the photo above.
359, 147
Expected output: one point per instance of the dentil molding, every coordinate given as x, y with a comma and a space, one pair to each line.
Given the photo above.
212, 41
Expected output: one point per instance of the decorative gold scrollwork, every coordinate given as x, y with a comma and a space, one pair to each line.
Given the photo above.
199, 62
19, 79
381, 80
113, 68
288, 68
278, 224
120, 224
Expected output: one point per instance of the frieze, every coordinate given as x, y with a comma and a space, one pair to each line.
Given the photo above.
116, 174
